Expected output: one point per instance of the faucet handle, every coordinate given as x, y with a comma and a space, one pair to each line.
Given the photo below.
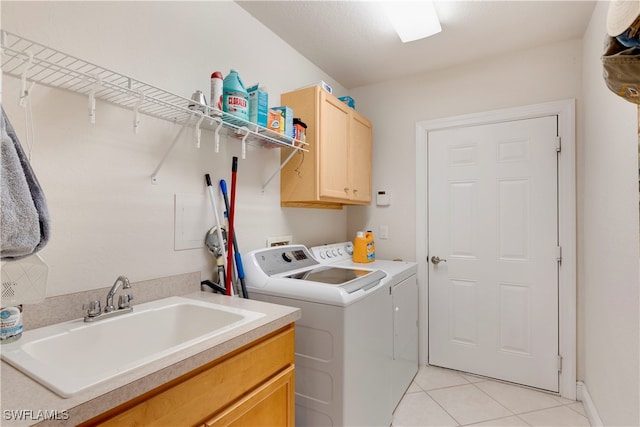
93, 308
124, 301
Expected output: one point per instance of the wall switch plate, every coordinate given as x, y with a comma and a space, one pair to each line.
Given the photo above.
383, 198
279, 241
384, 232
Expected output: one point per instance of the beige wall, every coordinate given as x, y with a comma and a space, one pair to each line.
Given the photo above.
608, 240
108, 219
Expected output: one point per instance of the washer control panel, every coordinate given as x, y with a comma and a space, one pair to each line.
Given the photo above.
282, 259
334, 252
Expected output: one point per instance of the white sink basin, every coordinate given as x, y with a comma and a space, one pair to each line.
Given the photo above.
72, 356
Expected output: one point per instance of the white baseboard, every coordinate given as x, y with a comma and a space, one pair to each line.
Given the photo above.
590, 408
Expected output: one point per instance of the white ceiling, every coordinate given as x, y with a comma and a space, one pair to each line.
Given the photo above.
354, 42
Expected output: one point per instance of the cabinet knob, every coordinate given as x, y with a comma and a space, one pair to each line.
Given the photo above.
346, 189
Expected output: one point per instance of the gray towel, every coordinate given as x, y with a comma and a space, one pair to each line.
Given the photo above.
24, 217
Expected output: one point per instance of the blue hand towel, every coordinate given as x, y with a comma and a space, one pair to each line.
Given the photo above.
24, 216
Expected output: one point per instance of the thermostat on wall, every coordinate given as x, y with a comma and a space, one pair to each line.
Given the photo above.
383, 198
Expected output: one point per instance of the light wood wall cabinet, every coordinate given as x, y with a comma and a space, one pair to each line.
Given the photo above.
252, 386
337, 169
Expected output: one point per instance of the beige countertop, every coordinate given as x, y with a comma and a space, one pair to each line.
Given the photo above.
25, 402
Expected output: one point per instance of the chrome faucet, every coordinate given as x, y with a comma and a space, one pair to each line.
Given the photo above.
124, 303
113, 290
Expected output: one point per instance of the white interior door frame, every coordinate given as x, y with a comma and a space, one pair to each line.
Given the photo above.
567, 298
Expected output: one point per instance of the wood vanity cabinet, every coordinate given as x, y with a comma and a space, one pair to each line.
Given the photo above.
251, 386
337, 169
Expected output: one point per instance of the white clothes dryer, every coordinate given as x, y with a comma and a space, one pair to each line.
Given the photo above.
343, 340
402, 276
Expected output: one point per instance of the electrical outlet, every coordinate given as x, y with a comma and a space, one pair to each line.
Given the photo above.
384, 232
279, 241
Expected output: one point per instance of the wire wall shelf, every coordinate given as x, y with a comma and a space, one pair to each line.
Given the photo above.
32, 61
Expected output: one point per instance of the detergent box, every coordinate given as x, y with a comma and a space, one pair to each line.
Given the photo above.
258, 102
286, 118
274, 119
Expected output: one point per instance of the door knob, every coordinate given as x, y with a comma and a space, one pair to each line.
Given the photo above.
436, 260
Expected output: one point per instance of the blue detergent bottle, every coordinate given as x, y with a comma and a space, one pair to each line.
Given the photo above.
235, 98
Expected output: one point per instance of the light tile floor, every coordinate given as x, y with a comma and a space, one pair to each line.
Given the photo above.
442, 397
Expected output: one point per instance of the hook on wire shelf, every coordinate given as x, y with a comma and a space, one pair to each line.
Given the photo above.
246, 132
24, 92
92, 97
198, 130
136, 114
216, 134
25, 102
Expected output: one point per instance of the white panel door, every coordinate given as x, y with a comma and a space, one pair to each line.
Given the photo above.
493, 304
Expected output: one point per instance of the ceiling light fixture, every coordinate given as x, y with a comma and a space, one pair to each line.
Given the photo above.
413, 20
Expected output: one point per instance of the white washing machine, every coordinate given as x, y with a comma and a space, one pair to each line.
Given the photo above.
402, 276
343, 339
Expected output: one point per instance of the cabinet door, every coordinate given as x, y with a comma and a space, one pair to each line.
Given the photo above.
272, 404
200, 394
333, 148
360, 152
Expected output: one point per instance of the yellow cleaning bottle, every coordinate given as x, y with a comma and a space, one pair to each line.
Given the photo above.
371, 246
364, 247
360, 248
